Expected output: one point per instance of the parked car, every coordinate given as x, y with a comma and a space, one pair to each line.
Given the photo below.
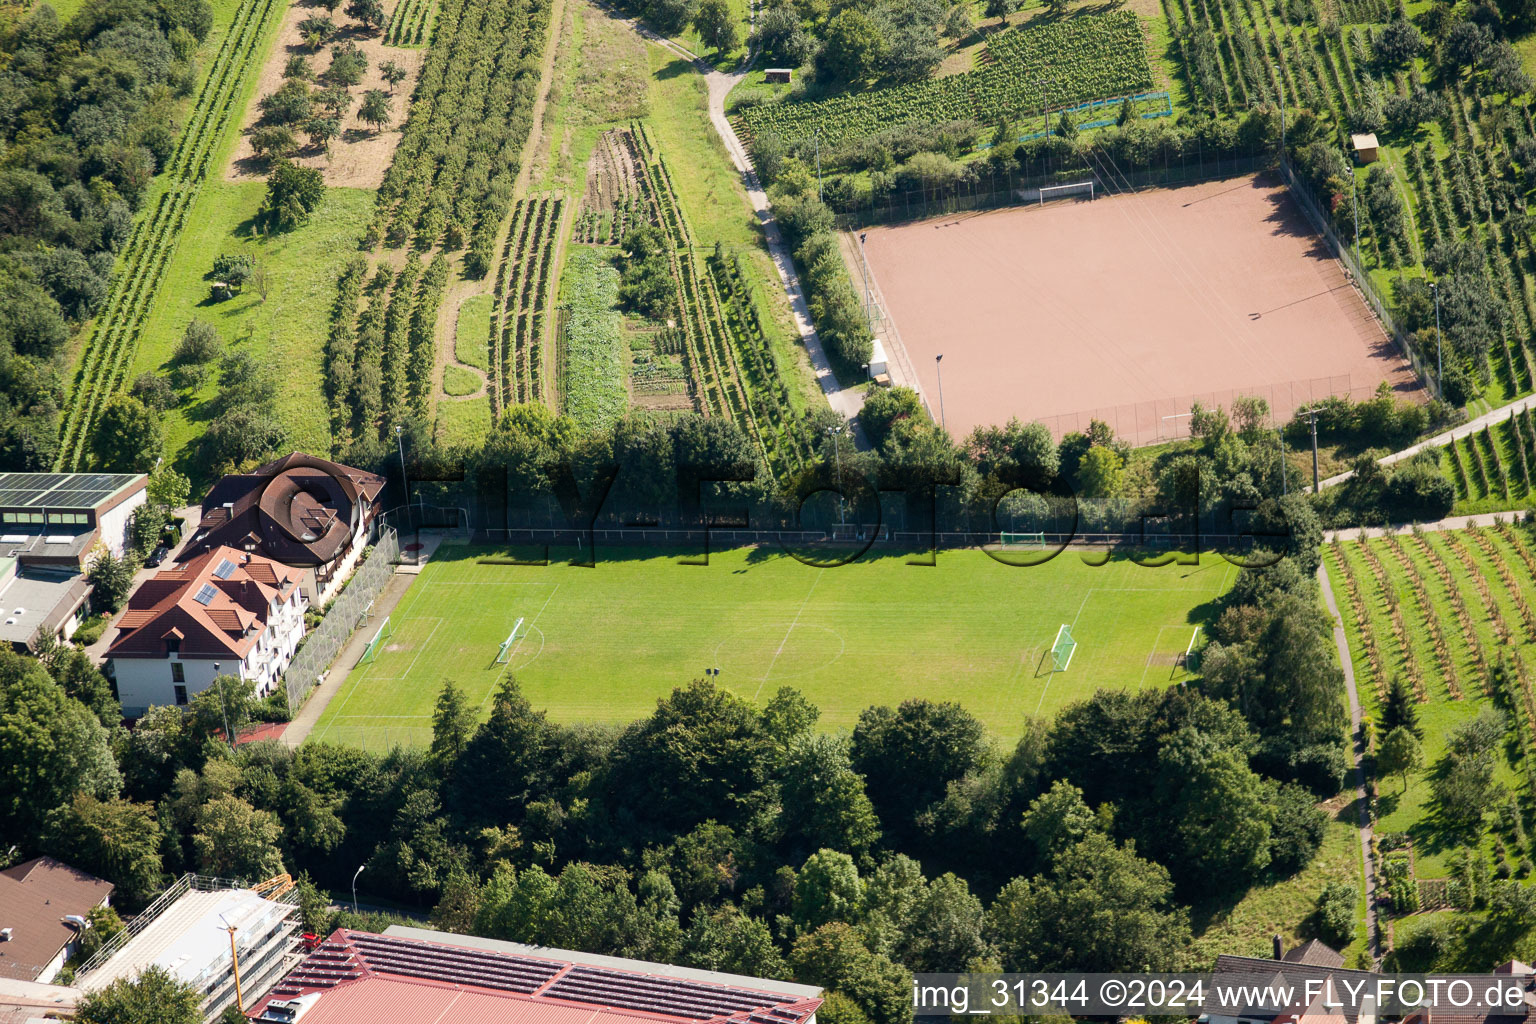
157, 556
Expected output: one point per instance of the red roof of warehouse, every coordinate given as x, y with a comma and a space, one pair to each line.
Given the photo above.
362, 978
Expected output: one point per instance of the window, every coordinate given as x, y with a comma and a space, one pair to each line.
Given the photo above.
173, 646
178, 672
181, 696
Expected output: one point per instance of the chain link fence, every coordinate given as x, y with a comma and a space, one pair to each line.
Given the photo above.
1167, 419
992, 189
345, 615
1361, 280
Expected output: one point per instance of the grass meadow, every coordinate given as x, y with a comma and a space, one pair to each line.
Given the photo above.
287, 329
603, 643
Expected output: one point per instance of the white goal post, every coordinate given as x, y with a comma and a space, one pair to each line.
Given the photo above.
380, 635
505, 653
1076, 188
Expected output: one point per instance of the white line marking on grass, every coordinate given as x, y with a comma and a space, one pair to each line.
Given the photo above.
761, 682
515, 647
407, 672
1157, 643
382, 716
1047, 688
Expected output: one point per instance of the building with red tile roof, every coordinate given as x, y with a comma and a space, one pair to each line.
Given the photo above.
224, 612
43, 906
300, 510
417, 974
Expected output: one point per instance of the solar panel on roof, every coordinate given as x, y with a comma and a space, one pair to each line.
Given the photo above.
225, 569
205, 593
59, 490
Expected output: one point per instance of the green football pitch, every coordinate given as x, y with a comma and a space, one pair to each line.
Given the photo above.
602, 644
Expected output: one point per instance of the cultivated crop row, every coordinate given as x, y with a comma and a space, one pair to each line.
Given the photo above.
521, 303
1058, 64
410, 24
113, 344
452, 177
709, 350
589, 342
1375, 667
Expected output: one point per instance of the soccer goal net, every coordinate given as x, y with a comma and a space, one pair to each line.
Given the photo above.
1077, 188
1192, 656
513, 637
375, 644
1022, 540
1063, 649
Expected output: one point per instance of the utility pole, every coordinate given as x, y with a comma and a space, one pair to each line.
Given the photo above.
1280, 89
1285, 486
1312, 415
938, 362
223, 707
818, 164
837, 450
400, 446
1354, 203
869, 313
1434, 286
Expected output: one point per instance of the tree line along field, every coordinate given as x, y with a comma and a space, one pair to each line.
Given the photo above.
603, 643
1455, 128
1448, 616
1085, 58
111, 347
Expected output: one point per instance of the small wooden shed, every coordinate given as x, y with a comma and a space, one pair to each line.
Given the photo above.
1365, 147
778, 76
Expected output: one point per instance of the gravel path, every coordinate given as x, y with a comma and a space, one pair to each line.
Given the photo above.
845, 401
1358, 751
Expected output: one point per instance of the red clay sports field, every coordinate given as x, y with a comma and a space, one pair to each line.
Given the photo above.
1128, 307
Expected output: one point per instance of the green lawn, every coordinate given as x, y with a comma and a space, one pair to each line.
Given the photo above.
287, 330
604, 643
472, 332
463, 423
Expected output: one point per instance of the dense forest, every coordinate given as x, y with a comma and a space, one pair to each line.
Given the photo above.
87, 120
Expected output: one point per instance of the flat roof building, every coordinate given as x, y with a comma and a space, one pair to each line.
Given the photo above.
51, 524
420, 974
186, 932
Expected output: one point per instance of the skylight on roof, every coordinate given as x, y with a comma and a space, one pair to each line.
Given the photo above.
225, 570
205, 594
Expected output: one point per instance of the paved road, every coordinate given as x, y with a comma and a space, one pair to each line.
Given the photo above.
1498, 415
845, 401
1450, 523
1358, 745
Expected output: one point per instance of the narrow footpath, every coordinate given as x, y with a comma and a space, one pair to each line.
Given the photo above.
1440, 440
845, 401
1357, 745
